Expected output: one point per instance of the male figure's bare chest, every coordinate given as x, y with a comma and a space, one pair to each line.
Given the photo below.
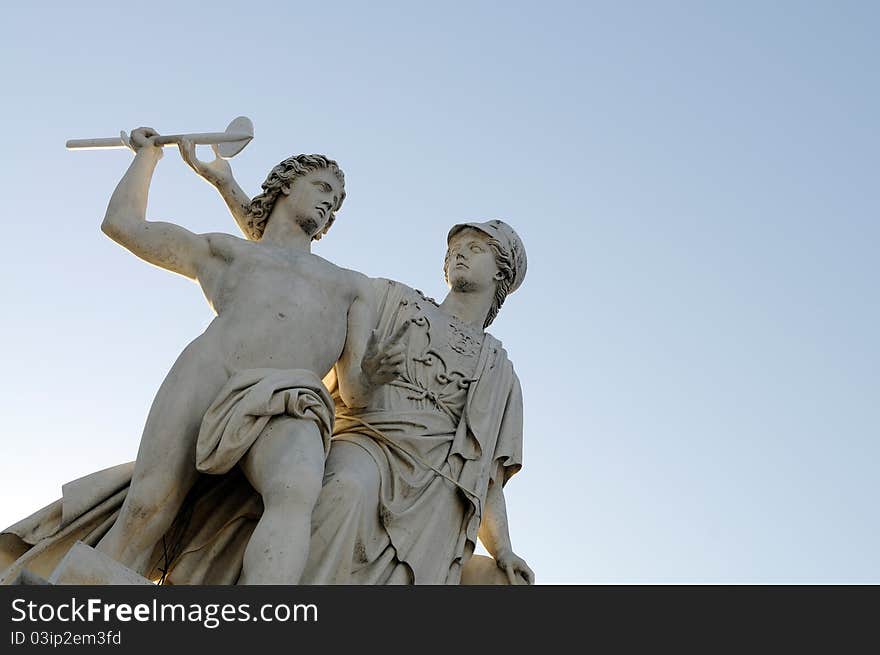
294, 284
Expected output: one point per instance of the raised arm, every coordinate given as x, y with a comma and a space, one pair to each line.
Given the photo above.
218, 173
163, 244
495, 535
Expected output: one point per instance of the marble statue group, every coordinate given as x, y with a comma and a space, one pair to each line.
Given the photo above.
326, 428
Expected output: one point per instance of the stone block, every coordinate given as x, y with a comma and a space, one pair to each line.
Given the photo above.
83, 565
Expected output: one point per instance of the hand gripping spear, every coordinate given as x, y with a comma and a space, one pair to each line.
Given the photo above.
229, 143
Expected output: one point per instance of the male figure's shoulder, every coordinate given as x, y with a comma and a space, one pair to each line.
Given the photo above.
355, 281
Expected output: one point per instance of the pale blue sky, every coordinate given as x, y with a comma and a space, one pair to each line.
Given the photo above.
695, 183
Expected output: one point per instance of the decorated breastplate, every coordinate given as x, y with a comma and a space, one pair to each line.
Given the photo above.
442, 355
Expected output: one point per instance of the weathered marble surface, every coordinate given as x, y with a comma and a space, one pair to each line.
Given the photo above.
423, 406
83, 565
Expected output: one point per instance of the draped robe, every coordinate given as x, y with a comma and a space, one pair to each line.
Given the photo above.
426, 526
411, 513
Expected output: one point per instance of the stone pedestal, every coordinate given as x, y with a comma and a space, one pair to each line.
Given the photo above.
482, 570
83, 565
25, 577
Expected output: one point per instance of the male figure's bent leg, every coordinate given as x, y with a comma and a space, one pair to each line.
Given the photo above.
165, 469
285, 465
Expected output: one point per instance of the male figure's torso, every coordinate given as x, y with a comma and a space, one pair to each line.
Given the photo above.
276, 308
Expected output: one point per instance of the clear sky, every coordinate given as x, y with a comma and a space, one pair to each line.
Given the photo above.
695, 183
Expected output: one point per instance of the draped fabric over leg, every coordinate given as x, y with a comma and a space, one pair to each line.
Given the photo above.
205, 544
347, 535
382, 517
246, 404
448, 423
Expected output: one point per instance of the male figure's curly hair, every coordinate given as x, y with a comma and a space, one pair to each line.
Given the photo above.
502, 287
282, 176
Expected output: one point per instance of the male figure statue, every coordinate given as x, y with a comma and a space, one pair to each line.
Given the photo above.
417, 472
248, 390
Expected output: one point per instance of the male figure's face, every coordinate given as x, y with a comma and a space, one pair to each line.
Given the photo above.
470, 262
312, 198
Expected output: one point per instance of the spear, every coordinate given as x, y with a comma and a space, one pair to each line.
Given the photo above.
229, 143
